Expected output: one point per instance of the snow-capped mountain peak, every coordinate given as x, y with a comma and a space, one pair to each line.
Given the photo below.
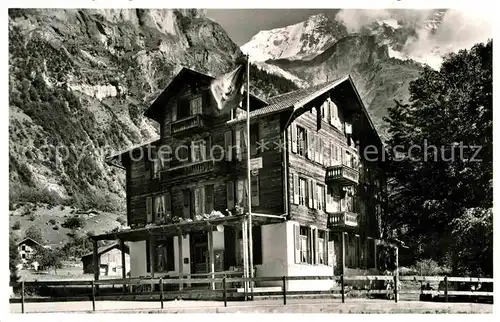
299, 41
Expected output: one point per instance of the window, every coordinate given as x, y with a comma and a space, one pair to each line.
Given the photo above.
255, 190
305, 247
23, 247
322, 247
199, 201
23, 256
159, 209
164, 255
301, 141
156, 168
149, 210
320, 190
325, 111
197, 150
254, 138
195, 105
302, 191
348, 159
209, 198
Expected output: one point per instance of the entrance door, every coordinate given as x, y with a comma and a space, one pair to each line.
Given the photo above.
199, 253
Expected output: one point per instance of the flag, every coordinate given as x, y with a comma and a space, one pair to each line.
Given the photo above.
227, 89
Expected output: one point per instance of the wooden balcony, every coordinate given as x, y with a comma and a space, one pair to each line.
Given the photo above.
342, 175
195, 123
342, 219
195, 169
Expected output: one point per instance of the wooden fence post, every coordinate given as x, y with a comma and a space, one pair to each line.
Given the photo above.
446, 288
22, 296
284, 289
161, 292
342, 287
224, 293
396, 288
93, 296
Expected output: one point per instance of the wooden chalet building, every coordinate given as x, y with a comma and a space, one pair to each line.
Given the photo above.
314, 199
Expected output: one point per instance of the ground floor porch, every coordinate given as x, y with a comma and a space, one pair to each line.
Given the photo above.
247, 246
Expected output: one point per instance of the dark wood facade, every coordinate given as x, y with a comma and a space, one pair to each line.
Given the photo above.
321, 180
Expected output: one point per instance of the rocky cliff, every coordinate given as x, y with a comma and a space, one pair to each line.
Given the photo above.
79, 81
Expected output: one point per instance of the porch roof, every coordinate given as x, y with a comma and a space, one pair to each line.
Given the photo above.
184, 227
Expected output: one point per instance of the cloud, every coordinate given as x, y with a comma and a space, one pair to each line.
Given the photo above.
459, 29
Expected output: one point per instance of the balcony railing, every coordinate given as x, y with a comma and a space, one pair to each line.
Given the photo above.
193, 169
342, 219
191, 123
342, 175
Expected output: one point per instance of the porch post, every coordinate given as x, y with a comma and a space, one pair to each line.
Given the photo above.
95, 259
180, 260
245, 253
152, 259
343, 252
122, 250
375, 253
250, 250
211, 256
124, 269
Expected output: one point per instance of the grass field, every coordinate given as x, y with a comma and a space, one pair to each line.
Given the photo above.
258, 306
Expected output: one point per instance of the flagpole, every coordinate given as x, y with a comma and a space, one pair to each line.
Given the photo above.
250, 232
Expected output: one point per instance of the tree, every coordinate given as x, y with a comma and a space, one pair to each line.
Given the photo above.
440, 157
48, 258
34, 233
13, 258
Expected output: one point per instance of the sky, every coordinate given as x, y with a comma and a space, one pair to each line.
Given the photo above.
460, 29
242, 24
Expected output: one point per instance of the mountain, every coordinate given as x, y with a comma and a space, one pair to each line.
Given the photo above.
296, 42
79, 81
364, 54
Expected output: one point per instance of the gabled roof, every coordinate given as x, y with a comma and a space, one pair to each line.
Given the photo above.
294, 99
104, 249
175, 83
29, 239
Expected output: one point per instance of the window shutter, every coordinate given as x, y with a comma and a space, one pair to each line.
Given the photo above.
174, 112
297, 243
295, 189
149, 210
310, 193
309, 145
331, 253
255, 190
321, 152
315, 194
168, 203
238, 144
230, 194
208, 147
339, 155
209, 198
332, 112
316, 246
294, 137
228, 144
329, 201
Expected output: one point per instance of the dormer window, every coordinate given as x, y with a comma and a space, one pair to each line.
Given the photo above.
195, 105
187, 107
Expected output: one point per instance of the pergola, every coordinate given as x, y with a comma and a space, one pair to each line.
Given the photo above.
182, 228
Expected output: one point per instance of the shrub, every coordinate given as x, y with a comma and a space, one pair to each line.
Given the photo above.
121, 220
428, 267
34, 233
52, 221
73, 222
16, 226
32, 217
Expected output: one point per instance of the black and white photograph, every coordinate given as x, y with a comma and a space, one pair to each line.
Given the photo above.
272, 160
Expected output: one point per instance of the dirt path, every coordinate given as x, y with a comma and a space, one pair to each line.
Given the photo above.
264, 306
